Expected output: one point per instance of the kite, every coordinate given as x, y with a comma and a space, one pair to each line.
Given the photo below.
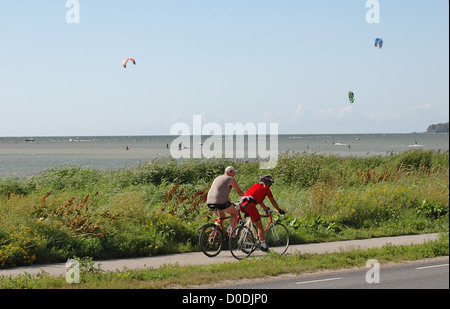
351, 97
124, 63
379, 43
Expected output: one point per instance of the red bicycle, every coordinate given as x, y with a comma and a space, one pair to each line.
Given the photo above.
244, 239
213, 236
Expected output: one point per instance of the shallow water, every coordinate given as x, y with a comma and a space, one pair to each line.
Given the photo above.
22, 158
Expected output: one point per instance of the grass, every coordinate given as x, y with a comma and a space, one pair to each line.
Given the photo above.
156, 207
175, 276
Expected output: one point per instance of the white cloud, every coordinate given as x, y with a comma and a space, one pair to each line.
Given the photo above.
332, 113
344, 111
299, 111
398, 113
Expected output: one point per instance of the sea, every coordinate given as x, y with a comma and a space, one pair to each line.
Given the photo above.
22, 157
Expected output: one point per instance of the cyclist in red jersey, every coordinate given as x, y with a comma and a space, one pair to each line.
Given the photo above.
256, 195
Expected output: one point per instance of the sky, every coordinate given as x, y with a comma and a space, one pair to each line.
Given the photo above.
290, 62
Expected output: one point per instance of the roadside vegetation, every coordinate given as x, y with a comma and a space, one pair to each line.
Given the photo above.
156, 208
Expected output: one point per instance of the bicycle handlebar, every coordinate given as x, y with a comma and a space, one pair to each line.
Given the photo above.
269, 211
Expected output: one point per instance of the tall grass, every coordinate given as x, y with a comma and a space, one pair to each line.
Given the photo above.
156, 207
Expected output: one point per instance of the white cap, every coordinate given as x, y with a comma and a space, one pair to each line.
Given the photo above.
230, 169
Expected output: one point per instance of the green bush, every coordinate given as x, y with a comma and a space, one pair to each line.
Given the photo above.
432, 209
417, 160
13, 186
301, 170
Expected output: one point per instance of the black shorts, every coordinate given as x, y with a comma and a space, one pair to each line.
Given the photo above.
219, 206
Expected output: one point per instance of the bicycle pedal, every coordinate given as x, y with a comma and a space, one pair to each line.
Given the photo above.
260, 248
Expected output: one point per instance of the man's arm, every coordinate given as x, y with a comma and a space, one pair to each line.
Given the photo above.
264, 206
275, 204
234, 184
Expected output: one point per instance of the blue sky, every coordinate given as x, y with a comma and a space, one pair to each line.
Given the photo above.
289, 62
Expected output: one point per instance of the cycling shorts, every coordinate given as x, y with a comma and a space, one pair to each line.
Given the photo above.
214, 207
249, 207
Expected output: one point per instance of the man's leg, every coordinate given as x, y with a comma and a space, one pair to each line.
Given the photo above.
259, 226
256, 218
234, 215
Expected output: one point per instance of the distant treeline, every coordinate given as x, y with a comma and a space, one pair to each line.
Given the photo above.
438, 128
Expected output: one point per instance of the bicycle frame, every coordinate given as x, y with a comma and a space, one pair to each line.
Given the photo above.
219, 220
269, 215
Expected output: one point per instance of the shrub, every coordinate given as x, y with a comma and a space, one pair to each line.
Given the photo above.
13, 186
431, 209
301, 170
417, 160
67, 178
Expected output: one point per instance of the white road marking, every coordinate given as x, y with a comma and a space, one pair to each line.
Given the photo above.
434, 266
315, 281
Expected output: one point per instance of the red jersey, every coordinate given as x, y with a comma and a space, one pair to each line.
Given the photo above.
259, 192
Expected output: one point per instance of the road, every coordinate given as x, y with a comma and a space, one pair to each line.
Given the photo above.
198, 258
425, 274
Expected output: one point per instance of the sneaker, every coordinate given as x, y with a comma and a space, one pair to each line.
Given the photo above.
264, 249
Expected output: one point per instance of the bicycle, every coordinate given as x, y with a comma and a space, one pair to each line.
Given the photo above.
244, 240
213, 235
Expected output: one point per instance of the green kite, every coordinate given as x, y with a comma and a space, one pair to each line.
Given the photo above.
351, 97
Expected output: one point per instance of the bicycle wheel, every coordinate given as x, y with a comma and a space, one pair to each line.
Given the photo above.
242, 242
211, 240
277, 238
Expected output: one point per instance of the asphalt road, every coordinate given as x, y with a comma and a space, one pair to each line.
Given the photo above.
425, 274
